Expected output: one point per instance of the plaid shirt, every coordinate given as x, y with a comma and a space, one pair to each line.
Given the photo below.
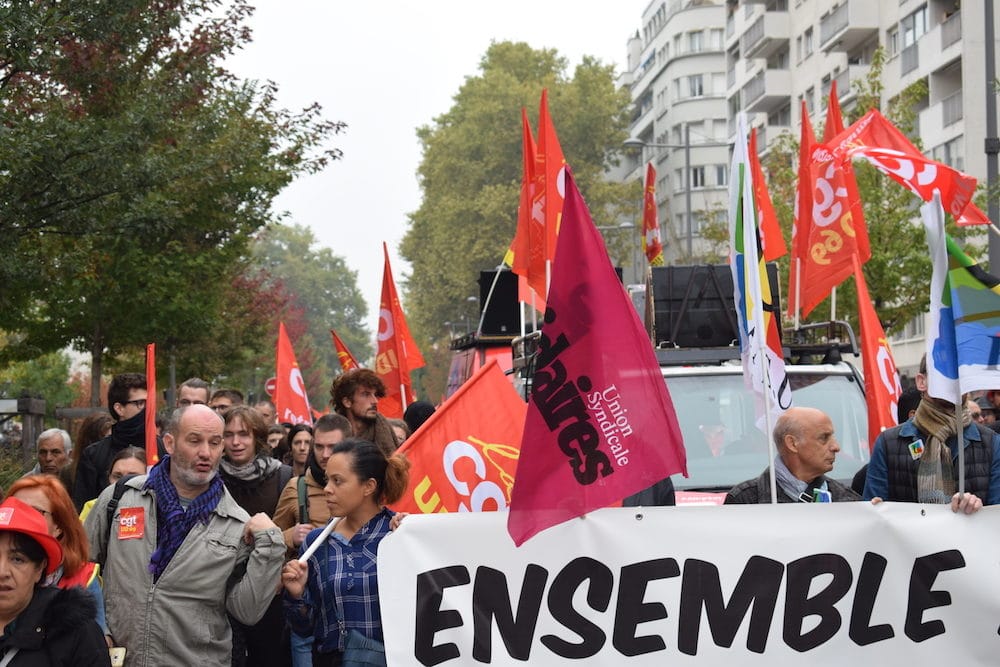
342, 573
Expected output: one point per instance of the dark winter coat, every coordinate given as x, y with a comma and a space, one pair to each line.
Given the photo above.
58, 627
758, 490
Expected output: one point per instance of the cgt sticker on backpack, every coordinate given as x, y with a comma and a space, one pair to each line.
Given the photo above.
131, 523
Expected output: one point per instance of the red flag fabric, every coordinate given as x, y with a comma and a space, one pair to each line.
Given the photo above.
344, 356
651, 243
772, 242
290, 400
550, 175
834, 126
397, 353
152, 452
600, 423
882, 387
464, 457
802, 225
526, 256
874, 138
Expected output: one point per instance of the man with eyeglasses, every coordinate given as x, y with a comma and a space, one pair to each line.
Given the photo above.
127, 403
223, 399
193, 391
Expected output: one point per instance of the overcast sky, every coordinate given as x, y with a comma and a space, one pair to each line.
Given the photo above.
386, 68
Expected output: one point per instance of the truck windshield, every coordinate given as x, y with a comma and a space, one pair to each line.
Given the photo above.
724, 447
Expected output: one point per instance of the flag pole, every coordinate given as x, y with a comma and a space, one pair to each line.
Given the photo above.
489, 297
959, 439
798, 289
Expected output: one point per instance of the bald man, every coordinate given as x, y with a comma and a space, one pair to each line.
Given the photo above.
806, 448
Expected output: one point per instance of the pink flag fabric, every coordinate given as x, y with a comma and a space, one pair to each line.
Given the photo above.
600, 423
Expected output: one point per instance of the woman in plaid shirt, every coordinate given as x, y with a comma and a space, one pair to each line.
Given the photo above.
334, 595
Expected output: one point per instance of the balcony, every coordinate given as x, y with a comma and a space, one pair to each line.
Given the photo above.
769, 89
909, 59
951, 30
951, 109
844, 79
849, 25
766, 36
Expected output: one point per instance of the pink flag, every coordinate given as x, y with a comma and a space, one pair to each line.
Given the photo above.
600, 423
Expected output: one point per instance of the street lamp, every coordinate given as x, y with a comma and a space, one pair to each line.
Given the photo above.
637, 143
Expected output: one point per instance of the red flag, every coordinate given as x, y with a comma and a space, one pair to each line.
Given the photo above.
834, 126
344, 356
550, 174
882, 388
876, 139
651, 243
152, 452
526, 256
802, 224
600, 423
397, 353
463, 458
771, 240
290, 400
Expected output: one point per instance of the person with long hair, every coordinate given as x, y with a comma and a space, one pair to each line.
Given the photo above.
334, 595
39, 624
49, 497
95, 426
299, 440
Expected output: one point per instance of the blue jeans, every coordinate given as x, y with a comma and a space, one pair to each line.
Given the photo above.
301, 651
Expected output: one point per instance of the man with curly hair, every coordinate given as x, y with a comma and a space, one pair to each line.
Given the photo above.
355, 395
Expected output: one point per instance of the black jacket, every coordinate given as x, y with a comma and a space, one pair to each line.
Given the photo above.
58, 627
758, 490
95, 460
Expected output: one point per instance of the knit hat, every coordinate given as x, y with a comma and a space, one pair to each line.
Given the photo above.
17, 516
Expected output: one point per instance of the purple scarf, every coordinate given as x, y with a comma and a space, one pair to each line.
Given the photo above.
172, 523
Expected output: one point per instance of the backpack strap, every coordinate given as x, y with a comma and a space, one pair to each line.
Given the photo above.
117, 496
303, 494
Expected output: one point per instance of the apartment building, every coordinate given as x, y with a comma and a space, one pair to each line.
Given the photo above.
676, 72
782, 52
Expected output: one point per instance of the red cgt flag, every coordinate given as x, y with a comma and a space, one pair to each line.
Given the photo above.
526, 256
600, 423
397, 353
771, 240
882, 388
344, 356
550, 178
802, 225
651, 243
464, 457
152, 452
290, 400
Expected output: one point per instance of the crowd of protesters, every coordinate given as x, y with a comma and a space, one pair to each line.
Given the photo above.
254, 543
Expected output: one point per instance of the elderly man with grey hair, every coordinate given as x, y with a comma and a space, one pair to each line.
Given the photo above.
807, 449
53, 448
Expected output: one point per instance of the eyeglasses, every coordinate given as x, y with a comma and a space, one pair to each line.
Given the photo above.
139, 403
185, 402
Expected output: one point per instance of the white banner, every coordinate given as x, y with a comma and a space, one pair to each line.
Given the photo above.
827, 584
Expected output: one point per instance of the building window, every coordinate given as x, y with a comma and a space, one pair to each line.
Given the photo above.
810, 98
721, 174
914, 26
678, 180
798, 49
694, 41
892, 41
696, 87
807, 42
697, 177
950, 153
716, 39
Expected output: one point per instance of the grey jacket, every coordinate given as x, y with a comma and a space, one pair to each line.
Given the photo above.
181, 618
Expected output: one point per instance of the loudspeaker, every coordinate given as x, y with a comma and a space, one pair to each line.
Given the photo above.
695, 307
502, 317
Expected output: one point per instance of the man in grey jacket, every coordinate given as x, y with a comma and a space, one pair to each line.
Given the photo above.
179, 553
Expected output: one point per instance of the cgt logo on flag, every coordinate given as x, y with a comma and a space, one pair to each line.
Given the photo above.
486, 464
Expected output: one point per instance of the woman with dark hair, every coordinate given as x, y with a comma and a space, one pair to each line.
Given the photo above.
41, 625
49, 498
300, 440
334, 596
129, 461
276, 441
255, 481
95, 426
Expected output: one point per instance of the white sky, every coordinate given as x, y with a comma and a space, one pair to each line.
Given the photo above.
386, 68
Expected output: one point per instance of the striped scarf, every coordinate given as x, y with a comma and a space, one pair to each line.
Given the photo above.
935, 473
173, 523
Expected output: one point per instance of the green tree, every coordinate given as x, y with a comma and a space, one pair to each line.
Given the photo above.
137, 171
471, 176
325, 293
46, 377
